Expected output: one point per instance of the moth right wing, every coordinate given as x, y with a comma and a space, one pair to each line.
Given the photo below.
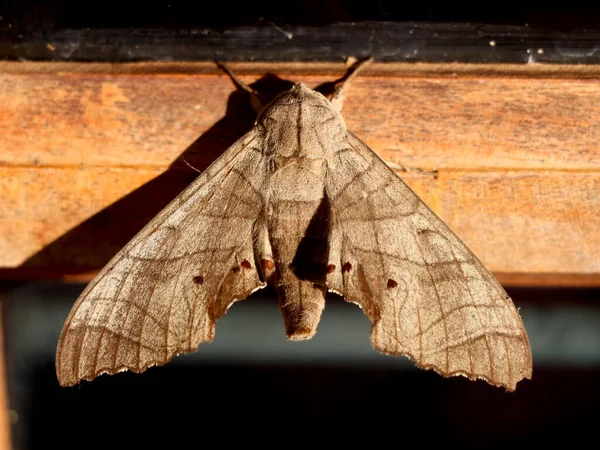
162, 293
427, 294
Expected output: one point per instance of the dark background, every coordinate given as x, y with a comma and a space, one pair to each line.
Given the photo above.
326, 30
38, 15
251, 386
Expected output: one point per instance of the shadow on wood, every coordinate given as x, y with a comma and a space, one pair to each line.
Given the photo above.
90, 245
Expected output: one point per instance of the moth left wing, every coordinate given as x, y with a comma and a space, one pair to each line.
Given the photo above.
162, 293
426, 293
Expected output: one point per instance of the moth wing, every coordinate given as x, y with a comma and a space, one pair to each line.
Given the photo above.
162, 293
426, 293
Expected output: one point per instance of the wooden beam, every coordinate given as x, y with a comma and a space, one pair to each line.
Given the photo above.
90, 152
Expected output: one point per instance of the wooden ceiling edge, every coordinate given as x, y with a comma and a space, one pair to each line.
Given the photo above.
377, 69
556, 280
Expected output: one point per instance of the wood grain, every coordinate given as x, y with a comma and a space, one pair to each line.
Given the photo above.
89, 153
428, 122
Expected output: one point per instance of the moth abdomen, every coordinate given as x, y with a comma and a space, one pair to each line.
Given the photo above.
301, 303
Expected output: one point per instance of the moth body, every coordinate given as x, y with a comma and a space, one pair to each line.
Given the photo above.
297, 212
302, 203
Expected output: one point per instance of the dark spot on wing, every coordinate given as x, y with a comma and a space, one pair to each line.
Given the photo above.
198, 279
267, 264
330, 268
246, 264
392, 283
235, 269
347, 267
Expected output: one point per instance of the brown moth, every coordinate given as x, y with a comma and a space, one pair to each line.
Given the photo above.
302, 203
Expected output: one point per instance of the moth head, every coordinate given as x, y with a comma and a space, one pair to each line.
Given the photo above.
298, 94
302, 92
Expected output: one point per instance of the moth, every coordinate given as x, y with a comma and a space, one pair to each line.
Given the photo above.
302, 203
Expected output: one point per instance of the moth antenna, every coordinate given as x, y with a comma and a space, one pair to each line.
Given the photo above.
257, 100
189, 165
337, 98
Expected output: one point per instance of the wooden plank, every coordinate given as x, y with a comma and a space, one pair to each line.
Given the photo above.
90, 153
301, 35
471, 121
40, 205
516, 222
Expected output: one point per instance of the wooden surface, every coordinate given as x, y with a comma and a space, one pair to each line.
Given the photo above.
298, 31
507, 156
